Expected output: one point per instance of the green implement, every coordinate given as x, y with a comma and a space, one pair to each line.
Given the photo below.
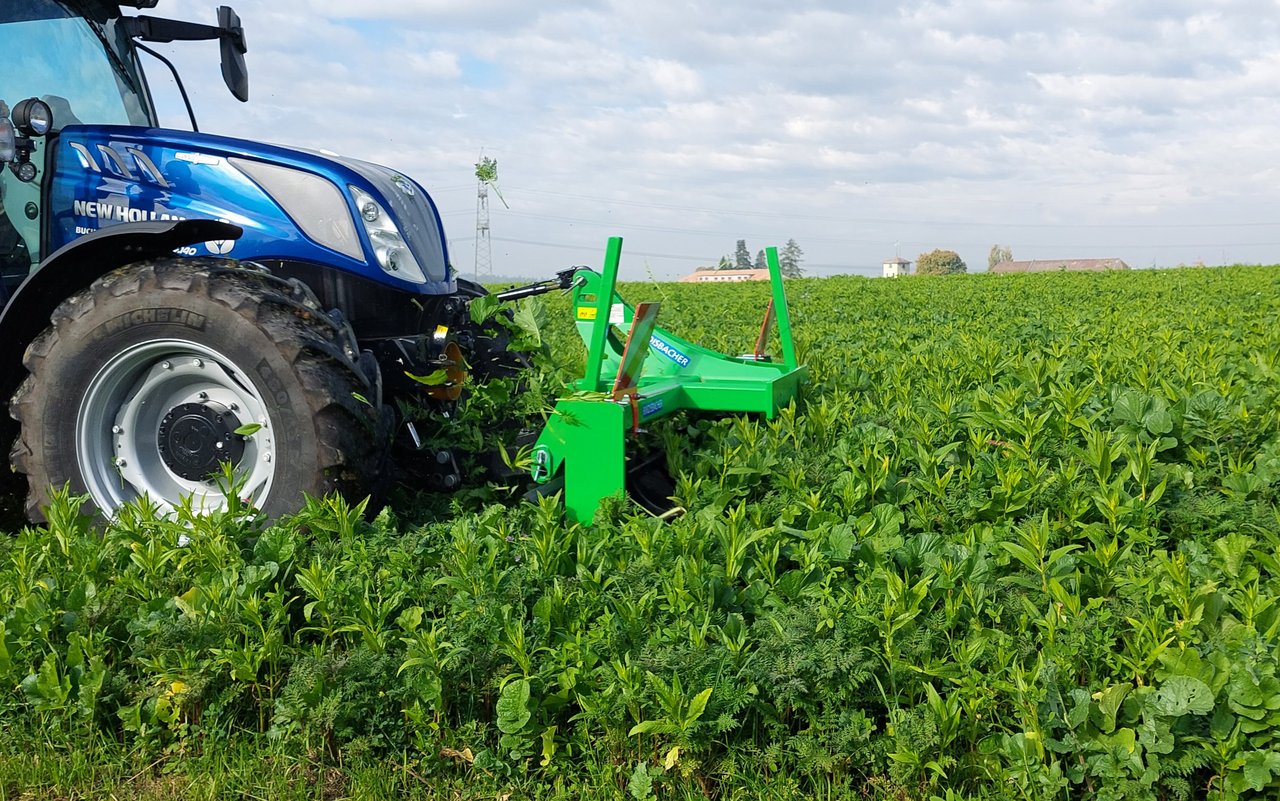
637, 372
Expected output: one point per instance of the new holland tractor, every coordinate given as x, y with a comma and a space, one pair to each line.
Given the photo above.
177, 302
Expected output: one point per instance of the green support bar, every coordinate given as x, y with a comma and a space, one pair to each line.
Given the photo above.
780, 309
603, 306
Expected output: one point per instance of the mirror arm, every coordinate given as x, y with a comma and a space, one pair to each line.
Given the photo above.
158, 29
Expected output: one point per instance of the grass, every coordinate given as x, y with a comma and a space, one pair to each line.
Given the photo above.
33, 769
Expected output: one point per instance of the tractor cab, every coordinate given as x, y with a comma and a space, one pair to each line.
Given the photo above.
80, 64
73, 62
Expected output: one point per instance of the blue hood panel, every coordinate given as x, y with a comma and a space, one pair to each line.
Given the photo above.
106, 175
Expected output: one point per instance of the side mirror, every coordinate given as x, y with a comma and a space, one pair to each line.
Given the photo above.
234, 71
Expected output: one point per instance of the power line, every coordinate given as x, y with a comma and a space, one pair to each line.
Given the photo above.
593, 248
889, 220
756, 235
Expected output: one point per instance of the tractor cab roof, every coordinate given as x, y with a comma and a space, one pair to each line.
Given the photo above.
52, 9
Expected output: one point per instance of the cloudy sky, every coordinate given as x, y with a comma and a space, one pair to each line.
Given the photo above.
1146, 130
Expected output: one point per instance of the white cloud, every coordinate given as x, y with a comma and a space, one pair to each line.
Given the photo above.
435, 64
673, 79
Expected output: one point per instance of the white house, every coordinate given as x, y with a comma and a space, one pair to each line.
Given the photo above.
705, 275
896, 266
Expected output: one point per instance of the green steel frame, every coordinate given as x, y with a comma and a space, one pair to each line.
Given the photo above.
587, 433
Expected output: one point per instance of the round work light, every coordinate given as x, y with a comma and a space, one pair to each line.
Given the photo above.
33, 117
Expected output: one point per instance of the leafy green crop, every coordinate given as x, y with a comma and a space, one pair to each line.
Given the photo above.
1019, 539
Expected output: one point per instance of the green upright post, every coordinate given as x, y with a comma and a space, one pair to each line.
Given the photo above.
780, 309
590, 436
604, 305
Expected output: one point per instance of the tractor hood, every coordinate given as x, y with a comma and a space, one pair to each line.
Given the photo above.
294, 205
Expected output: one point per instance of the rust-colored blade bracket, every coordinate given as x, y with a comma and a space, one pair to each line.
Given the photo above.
762, 341
635, 350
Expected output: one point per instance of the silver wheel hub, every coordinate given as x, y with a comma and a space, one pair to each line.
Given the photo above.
163, 418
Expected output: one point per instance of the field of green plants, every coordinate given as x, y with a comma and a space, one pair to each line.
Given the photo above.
1019, 539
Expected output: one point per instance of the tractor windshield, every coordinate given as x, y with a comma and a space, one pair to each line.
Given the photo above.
73, 56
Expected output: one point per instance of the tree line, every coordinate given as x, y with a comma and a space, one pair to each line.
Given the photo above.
935, 262
789, 258
946, 262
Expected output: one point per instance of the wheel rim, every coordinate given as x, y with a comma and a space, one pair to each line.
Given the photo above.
160, 417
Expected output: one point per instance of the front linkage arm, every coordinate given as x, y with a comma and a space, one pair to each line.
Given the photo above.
563, 281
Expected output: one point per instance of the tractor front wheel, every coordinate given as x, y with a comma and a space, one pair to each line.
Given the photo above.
161, 377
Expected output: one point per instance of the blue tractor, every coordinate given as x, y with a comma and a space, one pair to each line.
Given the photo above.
176, 302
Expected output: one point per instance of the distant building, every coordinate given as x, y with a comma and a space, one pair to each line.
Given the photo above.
896, 266
706, 275
1055, 265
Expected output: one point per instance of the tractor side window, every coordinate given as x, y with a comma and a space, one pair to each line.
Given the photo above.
15, 259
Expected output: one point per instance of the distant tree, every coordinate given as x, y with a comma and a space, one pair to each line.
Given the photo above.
761, 263
741, 256
789, 259
998, 254
940, 262
725, 263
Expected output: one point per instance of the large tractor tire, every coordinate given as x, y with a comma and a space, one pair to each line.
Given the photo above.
160, 373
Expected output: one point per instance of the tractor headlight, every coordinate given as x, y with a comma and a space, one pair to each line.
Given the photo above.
392, 252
